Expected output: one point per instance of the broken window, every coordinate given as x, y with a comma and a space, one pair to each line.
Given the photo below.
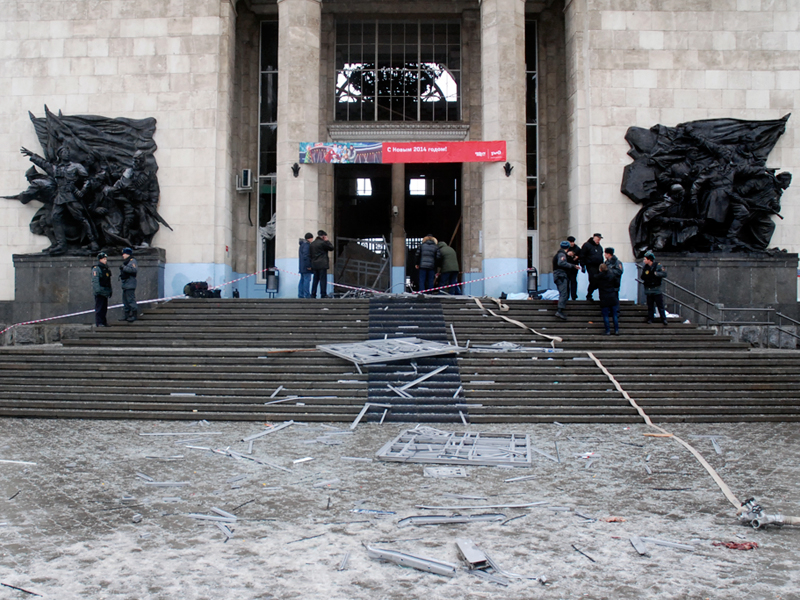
398, 71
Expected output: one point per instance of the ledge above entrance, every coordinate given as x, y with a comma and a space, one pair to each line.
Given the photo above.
398, 132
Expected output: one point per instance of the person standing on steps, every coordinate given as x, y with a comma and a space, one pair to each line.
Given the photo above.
320, 263
428, 256
608, 289
304, 267
591, 259
652, 276
574, 256
127, 277
101, 286
561, 268
449, 269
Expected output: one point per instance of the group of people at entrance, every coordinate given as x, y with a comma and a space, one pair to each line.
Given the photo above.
314, 265
604, 270
101, 287
432, 256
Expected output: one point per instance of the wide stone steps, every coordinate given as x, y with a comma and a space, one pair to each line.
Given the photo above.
232, 359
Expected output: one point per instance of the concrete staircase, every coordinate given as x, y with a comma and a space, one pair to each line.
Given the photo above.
227, 359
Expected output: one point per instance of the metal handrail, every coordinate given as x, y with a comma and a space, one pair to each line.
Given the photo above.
787, 317
771, 313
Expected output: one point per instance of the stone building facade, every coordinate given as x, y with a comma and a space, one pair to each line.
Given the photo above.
239, 84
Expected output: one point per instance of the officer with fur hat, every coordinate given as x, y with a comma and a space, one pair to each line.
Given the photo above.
652, 275
127, 277
561, 267
101, 286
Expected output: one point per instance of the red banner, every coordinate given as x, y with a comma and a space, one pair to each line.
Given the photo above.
443, 152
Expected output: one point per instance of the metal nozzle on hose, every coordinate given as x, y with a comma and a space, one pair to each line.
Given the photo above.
752, 514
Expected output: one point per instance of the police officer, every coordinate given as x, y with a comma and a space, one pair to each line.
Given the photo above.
652, 275
127, 276
101, 286
561, 267
574, 256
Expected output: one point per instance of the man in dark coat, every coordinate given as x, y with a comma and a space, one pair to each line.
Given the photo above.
127, 277
652, 275
591, 259
561, 268
613, 263
101, 286
320, 263
608, 289
304, 266
449, 268
574, 257
428, 256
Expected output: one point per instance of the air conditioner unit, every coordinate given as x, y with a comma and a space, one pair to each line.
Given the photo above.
244, 183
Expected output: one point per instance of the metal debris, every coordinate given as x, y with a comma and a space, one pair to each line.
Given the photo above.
377, 351
449, 519
523, 478
471, 554
267, 431
192, 433
639, 545
488, 576
426, 507
421, 563
201, 517
222, 513
224, 529
578, 550
364, 410
167, 483
444, 472
418, 380
429, 445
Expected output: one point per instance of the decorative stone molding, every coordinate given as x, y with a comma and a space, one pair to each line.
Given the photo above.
398, 132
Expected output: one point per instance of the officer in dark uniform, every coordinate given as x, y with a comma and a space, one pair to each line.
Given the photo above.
127, 276
101, 286
652, 276
561, 267
574, 256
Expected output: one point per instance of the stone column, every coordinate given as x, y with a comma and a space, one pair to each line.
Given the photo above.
298, 121
504, 198
398, 228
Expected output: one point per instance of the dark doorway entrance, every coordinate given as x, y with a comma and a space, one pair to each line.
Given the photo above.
433, 206
362, 217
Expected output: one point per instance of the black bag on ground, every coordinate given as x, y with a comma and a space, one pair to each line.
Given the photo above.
197, 289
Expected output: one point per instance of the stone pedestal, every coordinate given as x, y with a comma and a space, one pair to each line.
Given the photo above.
735, 280
48, 286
